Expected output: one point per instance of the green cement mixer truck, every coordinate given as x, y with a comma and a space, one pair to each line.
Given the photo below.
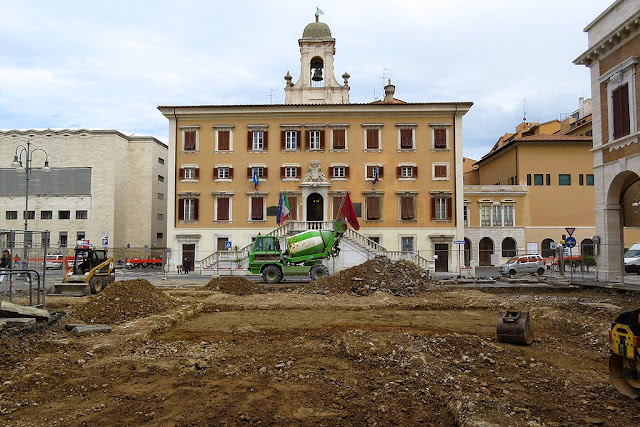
303, 254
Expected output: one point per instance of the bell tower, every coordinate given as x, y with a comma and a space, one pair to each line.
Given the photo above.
317, 83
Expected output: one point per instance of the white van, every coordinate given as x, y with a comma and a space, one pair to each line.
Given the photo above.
632, 259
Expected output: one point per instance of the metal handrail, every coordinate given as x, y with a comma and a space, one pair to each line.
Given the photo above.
241, 255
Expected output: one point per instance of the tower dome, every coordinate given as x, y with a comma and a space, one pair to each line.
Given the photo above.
316, 30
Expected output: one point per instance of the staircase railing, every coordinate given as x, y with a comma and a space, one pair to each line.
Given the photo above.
241, 255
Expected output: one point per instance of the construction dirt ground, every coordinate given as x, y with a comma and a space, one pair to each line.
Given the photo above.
378, 344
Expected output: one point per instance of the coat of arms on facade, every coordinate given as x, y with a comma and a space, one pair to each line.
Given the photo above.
315, 176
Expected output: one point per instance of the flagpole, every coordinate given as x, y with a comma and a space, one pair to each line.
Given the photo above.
342, 202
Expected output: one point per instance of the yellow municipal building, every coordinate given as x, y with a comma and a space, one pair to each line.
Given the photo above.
400, 162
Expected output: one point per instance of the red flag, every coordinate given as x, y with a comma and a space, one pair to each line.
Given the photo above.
350, 213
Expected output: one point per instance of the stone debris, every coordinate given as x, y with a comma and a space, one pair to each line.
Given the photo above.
20, 321
399, 278
8, 309
82, 330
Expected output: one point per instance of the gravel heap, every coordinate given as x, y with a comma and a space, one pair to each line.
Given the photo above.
400, 278
123, 301
233, 286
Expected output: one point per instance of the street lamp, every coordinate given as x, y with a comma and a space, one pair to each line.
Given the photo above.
18, 164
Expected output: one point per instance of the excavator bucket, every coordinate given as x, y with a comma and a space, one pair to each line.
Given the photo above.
514, 327
70, 289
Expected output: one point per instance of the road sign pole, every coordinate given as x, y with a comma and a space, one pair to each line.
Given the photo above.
571, 264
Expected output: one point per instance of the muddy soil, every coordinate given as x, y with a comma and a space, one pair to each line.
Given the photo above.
292, 358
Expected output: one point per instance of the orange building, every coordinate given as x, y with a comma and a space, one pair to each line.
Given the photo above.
401, 163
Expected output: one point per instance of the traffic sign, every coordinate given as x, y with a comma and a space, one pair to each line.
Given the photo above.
570, 230
553, 245
570, 242
458, 242
105, 241
227, 244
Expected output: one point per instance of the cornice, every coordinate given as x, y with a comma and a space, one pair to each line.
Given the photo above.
611, 41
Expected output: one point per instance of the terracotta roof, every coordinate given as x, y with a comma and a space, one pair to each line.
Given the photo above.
554, 137
534, 138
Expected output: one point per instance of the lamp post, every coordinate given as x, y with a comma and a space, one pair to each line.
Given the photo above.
27, 165
18, 163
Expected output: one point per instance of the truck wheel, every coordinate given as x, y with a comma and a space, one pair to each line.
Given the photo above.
540, 271
271, 274
318, 272
95, 284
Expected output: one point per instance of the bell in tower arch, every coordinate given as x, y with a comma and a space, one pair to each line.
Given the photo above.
317, 64
317, 75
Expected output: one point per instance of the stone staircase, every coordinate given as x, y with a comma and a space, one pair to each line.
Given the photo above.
355, 248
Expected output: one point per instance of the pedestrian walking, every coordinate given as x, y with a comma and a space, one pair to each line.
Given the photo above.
5, 263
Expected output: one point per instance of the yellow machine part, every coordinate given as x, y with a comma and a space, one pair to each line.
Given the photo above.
103, 269
624, 363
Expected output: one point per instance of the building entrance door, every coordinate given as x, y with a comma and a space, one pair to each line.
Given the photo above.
315, 207
189, 250
442, 262
486, 250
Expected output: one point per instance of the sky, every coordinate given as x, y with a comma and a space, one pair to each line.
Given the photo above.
109, 65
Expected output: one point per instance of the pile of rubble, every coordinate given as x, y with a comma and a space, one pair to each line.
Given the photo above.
123, 301
399, 278
233, 286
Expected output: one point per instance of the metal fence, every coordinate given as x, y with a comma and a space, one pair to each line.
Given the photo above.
23, 279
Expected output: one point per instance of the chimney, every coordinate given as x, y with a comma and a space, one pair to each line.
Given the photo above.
389, 90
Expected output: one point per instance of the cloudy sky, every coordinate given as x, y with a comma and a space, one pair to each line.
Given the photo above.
90, 64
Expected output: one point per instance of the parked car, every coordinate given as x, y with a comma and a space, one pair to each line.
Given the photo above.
632, 259
523, 264
54, 261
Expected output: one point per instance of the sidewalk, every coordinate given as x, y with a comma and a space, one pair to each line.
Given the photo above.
485, 277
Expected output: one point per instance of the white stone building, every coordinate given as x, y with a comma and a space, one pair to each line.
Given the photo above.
612, 56
102, 184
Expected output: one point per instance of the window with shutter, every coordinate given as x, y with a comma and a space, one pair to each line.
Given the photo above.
223, 209
293, 207
257, 208
181, 209
372, 139
223, 140
440, 138
314, 140
339, 140
373, 208
440, 171
406, 208
621, 118
406, 139
190, 140
290, 140
336, 203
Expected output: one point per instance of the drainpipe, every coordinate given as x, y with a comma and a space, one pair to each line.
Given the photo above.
455, 194
175, 183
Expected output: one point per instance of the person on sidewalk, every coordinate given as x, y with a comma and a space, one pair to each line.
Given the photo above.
5, 263
186, 265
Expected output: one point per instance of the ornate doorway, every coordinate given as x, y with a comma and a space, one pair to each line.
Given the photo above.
315, 208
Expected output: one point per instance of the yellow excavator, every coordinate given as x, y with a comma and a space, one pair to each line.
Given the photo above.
91, 272
624, 363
